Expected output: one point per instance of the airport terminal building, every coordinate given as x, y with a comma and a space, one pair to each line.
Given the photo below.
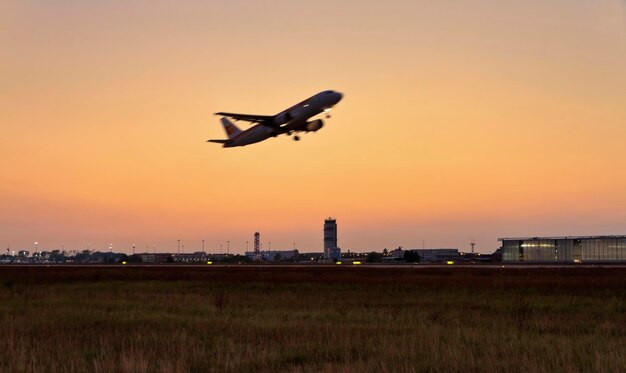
569, 249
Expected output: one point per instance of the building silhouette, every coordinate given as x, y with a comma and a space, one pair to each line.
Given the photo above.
566, 249
331, 251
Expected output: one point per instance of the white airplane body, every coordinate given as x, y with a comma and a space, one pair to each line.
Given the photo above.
293, 120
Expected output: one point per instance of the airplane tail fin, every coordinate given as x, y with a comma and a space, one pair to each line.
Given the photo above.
230, 128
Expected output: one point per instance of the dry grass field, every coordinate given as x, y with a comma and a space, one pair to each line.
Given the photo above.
234, 319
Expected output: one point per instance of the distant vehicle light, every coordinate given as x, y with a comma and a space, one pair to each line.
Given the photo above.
577, 261
337, 262
449, 262
356, 263
123, 262
209, 262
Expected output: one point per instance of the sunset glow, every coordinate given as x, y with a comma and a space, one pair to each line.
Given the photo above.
461, 120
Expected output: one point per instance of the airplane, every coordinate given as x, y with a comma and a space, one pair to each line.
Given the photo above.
290, 121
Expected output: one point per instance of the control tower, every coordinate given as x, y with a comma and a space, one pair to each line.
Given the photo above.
331, 251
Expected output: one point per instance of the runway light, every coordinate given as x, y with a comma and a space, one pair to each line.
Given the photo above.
450, 262
123, 262
209, 262
356, 263
337, 262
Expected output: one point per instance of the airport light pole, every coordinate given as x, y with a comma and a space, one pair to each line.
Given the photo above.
228, 247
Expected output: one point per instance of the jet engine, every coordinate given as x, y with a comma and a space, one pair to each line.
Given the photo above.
283, 118
314, 125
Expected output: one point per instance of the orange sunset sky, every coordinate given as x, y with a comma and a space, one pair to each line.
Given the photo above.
461, 119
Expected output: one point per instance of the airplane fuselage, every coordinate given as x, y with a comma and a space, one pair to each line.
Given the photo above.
252, 135
294, 119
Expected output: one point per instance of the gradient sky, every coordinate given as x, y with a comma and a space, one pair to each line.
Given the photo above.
461, 119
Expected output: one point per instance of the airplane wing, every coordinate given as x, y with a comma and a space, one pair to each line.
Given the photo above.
247, 117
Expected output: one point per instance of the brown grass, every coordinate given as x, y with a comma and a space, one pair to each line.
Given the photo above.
176, 319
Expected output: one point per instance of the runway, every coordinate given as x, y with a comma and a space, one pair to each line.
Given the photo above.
316, 265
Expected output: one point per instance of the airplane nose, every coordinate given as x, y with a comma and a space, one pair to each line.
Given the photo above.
339, 96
